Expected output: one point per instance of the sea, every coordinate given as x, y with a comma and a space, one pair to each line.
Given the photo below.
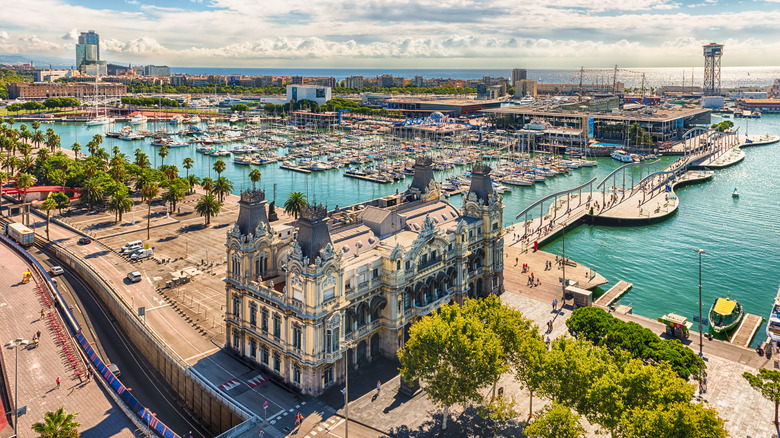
731, 77
741, 236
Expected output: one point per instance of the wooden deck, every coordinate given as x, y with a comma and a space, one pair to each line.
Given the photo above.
614, 293
747, 330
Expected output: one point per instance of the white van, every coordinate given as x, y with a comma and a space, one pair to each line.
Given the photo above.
132, 246
134, 276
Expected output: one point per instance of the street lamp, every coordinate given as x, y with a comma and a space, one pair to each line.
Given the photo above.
701, 331
15, 344
347, 345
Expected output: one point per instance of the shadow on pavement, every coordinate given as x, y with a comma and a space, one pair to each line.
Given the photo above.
469, 423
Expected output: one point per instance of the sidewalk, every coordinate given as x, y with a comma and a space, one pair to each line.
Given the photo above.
39, 367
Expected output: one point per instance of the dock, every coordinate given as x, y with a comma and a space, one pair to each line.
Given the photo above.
295, 168
747, 330
614, 293
369, 178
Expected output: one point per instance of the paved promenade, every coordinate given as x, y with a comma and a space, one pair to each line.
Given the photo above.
39, 367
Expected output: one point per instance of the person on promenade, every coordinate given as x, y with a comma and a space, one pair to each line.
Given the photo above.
58, 382
43, 313
378, 386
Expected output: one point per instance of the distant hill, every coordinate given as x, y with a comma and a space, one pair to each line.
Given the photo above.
36, 60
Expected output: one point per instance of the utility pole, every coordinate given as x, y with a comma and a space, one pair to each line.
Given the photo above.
701, 330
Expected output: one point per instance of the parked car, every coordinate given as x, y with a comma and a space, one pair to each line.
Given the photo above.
56, 270
142, 254
85, 240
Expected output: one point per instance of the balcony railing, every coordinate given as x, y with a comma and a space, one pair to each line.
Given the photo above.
428, 263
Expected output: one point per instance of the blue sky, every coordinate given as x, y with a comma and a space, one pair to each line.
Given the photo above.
399, 33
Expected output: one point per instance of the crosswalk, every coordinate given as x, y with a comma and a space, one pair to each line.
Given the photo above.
235, 383
257, 381
230, 384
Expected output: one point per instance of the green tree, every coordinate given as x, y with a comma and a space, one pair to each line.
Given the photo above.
149, 191
57, 424
162, 152
239, 108
120, 202
193, 180
295, 203
555, 420
435, 352
767, 382
675, 420
24, 181
76, 148
48, 205
175, 193
208, 206
61, 199
207, 184
187, 164
222, 187
219, 167
254, 176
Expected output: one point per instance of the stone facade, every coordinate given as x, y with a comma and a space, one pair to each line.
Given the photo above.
361, 275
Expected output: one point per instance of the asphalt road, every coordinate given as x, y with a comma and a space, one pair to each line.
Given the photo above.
107, 337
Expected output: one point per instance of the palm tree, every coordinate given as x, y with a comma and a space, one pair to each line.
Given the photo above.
57, 424
37, 136
187, 164
149, 191
76, 148
163, 152
48, 205
3, 178
120, 203
93, 192
61, 199
207, 207
175, 193
24, 181
219, 167
192, 180
255, 176
97, 138
295, 204
222, 187
207, 184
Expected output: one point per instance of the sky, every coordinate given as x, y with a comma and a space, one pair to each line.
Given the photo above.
398, 33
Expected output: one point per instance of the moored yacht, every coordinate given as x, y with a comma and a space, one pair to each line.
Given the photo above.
621, 155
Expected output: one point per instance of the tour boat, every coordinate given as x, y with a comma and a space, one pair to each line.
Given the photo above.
773, 324
725, 314
622, 156
735, 193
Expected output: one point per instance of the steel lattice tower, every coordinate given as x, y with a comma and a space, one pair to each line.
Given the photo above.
712, 54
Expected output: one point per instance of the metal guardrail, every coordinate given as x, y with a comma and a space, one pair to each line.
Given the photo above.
554, 195
624, 167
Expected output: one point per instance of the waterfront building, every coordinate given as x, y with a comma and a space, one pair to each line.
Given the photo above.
763, 105
79, 90
412, 107
88, 55
157, 70
663, 124
525, 87
518, 74
316, 93
364, 273
51, 75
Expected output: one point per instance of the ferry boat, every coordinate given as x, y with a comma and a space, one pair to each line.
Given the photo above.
725, 314
735, 193
622, 156
773, 323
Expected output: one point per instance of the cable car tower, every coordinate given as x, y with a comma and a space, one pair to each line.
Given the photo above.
712, 54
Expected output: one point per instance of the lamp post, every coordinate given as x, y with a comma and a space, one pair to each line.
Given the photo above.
701, 326
563, 263
347, 345
15, 344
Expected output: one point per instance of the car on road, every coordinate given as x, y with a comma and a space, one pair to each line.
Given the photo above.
85, 240
134, 276
56, 270
114, 370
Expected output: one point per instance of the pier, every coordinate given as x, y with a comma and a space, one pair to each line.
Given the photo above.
295, 168
614, 293
747, 330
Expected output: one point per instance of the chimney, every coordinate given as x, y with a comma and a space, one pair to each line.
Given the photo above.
313, 233
481, 185
251, 211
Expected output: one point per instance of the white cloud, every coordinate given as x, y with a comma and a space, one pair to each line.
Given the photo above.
72, 35
3, 35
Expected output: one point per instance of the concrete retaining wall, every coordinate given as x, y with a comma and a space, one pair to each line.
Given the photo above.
218, 412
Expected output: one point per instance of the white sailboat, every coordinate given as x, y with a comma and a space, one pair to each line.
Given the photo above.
99, 119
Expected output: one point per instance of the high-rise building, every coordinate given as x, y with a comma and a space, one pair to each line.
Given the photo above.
518, 74
88, 54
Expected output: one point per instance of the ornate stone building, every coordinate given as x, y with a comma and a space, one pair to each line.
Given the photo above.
363, 274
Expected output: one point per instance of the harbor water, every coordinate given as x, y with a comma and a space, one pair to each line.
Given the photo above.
741, 235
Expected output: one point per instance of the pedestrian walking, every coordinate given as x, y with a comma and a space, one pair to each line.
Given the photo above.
261, 434
298, 418
378, 386
43, 313
58, 382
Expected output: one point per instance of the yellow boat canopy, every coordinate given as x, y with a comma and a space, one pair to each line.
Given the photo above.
724, 306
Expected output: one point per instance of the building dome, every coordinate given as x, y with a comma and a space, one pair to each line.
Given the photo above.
437, 116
